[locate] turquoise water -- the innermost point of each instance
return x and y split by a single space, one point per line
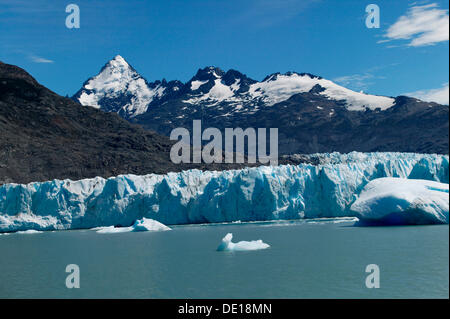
305 260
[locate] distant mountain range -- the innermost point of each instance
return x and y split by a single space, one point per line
312 114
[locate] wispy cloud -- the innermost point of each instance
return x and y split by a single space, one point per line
362 81
356 81
440 95
422 25
265 13
38 59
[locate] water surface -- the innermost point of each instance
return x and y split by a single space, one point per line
306 260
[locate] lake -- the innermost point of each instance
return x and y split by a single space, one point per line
306 259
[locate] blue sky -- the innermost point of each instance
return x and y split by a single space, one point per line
173 38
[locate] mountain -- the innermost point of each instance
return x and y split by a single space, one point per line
45 136
312 114
119 88
247 96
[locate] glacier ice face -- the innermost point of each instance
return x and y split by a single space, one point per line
251 194
398 201
228 245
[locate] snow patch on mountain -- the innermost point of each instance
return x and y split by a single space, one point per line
280 87
196 84
218 93
236 85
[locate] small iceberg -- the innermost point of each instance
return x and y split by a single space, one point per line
228 245
23 232
144 224
147 224
112 229
398 201
29 231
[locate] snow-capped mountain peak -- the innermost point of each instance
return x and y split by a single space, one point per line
235 88
209 84
119 88
119 62
213 78
208 73
204 79
279 87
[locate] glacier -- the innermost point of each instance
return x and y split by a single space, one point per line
251 194
398 201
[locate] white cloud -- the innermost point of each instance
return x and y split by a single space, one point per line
355 81
37 59
422 25
266 13
362 81
439 95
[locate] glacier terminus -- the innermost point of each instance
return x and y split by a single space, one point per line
190 197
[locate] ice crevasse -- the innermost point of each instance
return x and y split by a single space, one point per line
250 194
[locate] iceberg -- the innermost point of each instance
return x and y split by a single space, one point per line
112 229
228 245
29 231
396 201
144 224
193 197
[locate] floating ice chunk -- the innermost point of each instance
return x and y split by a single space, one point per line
337 220
113 230
228 245
29 231
144 224
398 201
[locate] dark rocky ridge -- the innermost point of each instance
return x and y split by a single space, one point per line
410 125
310 123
